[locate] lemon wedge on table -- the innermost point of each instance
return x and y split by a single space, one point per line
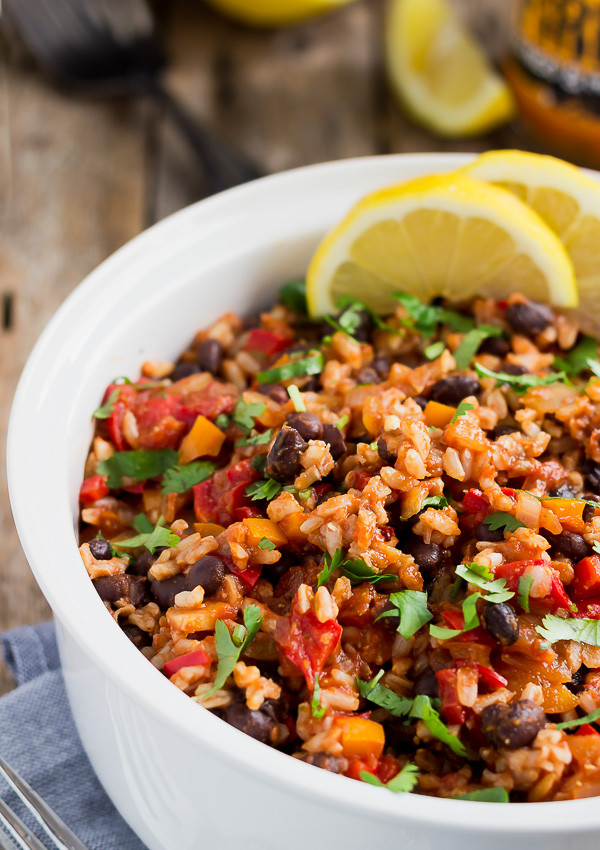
274 13
569 203
440 73
448 235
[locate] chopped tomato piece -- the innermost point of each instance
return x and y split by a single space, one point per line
267 342
197 658
219 497
357 766
307 642
452 710
92 489
387 768
474 501
587 577
114 424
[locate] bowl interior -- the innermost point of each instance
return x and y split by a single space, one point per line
230 252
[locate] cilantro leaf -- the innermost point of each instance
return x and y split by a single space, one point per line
138 465
426 317
267 489
245 413
222 421
152 537
413 610
523 589
330 563
230 648
107 408
434 350
180 479
582 357
495 590
316 709
423 709
293 296
257 440
503 520
311 365
471 342
434 502
355 569
487 795
520 382
402 783
555 628
348 321
296 397
265 543
463 407
581 721
384 697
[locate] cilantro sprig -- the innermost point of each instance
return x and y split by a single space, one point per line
384 697
107 408
523 589
138 465
311 365
581 358
150 536
555 628
503 520
180 479
463 407
355 569
230 647
481 576
411 607
402 783
425 318
521 383
246 412
469 346
257 440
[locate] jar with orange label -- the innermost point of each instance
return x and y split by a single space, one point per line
554 72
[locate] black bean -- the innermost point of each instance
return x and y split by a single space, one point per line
209 572
137 636
428 556
399 735
382 366
312 385
528 317
570 544
335 438
276 392
385 454
210 355
101 549
453 389
495 345
165 591
283 460
577 683
334 764
484 532
588 513
422 402
367 375
274 572
308 425
563 492
254 723
130 588
183 370
503 430
513 369
591 470
141 565
426 683
502 621
514 725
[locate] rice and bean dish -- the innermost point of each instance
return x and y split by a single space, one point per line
370 542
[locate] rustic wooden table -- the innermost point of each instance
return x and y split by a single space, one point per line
79 178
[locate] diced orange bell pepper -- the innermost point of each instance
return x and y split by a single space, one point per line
259 528
568 511
208 529
204 439
438 415
361 737
290 525
558 699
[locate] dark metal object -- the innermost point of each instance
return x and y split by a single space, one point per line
107 48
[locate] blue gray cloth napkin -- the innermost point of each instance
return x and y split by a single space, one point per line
38 738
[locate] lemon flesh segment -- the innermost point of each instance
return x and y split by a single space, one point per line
445 235
274 13
567 200
439 72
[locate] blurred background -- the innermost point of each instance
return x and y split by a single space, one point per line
81 175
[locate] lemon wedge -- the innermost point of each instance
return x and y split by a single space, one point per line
569 203
448 235
274 13
439 72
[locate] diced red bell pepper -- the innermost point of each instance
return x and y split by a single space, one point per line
456 620
474 501
452 710
387 768
267 342
558 595
92 489
197 658
114 424
307 642
249 576
512 572
587 577
135 489
586 729
492 679
219 497
247 512
508 491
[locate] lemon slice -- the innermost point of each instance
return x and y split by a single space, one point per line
439 71
274 13
447 235
569 203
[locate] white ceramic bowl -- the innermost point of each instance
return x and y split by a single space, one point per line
181 777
